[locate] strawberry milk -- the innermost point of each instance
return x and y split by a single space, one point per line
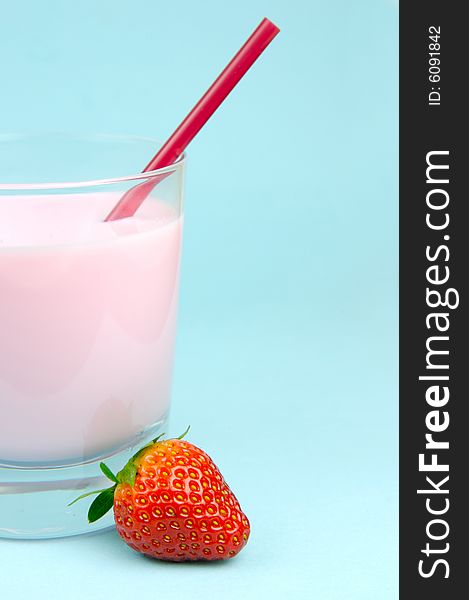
87 324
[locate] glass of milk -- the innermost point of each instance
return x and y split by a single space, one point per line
87 320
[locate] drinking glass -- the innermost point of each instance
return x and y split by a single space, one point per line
87 320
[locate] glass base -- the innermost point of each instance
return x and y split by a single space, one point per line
34 501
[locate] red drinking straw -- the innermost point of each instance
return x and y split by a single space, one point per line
196 119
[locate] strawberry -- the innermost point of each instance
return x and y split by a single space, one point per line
171 502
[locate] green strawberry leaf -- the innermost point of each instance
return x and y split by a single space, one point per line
88 494
183 435
128 473
107 471
101 504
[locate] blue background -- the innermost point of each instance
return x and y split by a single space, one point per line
287 348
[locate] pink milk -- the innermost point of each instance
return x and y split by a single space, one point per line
87 324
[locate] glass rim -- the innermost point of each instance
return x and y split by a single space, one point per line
61 185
